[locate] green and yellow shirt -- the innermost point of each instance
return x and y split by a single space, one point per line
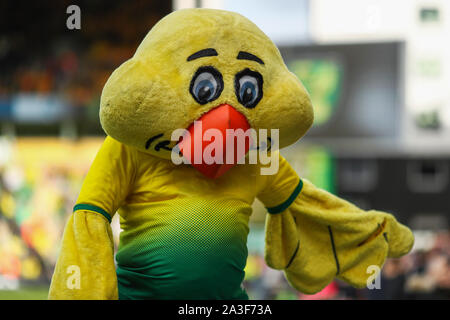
183 235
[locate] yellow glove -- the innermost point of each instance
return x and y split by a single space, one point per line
320 236
315 236
85 268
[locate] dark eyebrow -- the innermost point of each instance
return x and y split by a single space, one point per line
209 52
242 55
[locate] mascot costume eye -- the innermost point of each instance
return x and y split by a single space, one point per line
185 226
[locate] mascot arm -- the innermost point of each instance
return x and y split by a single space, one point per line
315 236
85 267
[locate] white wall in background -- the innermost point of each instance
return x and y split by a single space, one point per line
183 4
334 21
427 74
284 21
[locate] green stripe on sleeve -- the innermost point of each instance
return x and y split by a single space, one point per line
84 206
288 202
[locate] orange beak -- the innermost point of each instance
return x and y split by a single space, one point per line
213 145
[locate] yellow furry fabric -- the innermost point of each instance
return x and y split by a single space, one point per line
320 237
87 252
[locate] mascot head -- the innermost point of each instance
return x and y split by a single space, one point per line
199 62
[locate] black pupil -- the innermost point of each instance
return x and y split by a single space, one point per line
204 93
248 95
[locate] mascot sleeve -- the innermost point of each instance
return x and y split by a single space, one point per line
85 267
315 236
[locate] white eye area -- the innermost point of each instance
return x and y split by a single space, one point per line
249 81
206 85
248 86
205 78
249 89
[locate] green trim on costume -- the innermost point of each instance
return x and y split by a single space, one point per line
84 206
288 202
333 246
294 255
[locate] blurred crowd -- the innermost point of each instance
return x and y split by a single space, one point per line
39 183
44 57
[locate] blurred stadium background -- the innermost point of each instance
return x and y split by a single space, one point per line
379 76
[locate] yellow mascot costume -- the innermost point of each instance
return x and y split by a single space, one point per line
184 234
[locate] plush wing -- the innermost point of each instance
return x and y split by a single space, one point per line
315 236
320 237
85 267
